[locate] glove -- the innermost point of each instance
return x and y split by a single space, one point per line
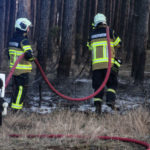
32 59
116 66
28 56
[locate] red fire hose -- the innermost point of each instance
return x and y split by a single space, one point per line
144 144
90 96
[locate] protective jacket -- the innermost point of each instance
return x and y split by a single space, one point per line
98 45
19 45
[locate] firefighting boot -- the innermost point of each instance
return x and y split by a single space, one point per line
110 98
98 106
111 105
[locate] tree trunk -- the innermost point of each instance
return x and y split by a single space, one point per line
33 18
79 31
87 26
53 29
148 45
24 9
117 16
60 8
12 19
101 6
68 34
37 20
113 14
130 34
139 54
43 31
2 28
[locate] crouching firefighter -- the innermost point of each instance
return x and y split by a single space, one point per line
98 45
3 104
18 45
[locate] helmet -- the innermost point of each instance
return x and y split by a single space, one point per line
99 18
23 24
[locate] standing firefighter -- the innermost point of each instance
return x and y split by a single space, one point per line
18 45
98 45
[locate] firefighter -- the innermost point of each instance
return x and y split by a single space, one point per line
98 45
18 45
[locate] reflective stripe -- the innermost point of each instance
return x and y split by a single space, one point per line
118 64
15 52
111 90
98 35
89 46
27 47
104 51
16 106
116 42
13 44
101 43
29 67
19 94
100 60
98 100
94 53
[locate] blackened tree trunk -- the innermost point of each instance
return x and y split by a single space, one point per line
60 8
7 20
43 31
68 37
24 9
37 20
148 46
79 30
87 26
108 11
101 6
2 27
113 14
117 16
130 34
53 29
140 46
11 19
33 18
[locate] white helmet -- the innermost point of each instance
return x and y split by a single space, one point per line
23 24
99 18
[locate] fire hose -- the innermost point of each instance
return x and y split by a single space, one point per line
75 99
144 144
57 92
87 97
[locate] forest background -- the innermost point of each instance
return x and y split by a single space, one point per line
61 28
59 36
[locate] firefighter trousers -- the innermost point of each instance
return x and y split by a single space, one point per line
20 83
98 77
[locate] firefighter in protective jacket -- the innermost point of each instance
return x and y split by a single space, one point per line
18 45
98 45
